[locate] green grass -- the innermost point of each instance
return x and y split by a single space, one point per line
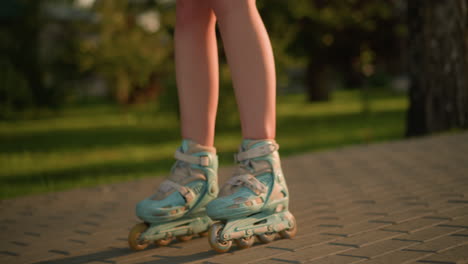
97 144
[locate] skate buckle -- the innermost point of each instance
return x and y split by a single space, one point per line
205 161
278 176
279 208
199 160
187 195
256 152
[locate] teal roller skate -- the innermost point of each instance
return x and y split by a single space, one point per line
254 202
177 209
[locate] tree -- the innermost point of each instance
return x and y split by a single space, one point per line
354 38
21 82
128 46
438 66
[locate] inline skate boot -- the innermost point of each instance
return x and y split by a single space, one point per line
177 209
254 202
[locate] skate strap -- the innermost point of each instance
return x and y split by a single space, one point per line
198 160
256 152
249 181
184 191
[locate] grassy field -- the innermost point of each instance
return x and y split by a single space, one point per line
97 144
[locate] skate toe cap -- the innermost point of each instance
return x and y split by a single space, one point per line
142 209
156 211
226 208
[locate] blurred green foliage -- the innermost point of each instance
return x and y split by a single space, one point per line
12 100
18 57
50 45
350 41
38 57
125 53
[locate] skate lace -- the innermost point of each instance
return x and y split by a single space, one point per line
171 184
249 181
245 174
180 172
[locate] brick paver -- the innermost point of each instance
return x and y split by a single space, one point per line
396 202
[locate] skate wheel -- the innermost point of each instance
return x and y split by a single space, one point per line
134 237
266 238
203 234
291 232
163 242
184 238
245 242
213 238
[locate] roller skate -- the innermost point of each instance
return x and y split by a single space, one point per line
177 209
254 202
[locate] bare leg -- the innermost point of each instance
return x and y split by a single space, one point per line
196 60
250 57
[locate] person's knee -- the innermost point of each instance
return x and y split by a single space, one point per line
191 12
224 8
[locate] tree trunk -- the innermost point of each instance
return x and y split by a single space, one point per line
438 65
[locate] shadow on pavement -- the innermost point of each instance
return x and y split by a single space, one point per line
101 256
112 253
180 259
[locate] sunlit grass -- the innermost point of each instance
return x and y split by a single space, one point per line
90 145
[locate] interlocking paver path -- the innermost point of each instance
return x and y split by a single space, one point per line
397 202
